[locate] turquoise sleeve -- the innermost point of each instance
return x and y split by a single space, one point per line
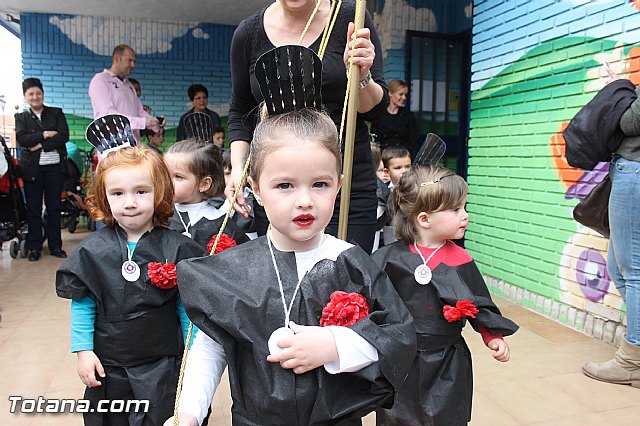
83 317
184 322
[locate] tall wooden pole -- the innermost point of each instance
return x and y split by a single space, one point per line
350 132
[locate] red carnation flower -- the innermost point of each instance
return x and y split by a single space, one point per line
463 308
162 276
224 243
344 309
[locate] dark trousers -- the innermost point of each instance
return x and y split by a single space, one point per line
48 183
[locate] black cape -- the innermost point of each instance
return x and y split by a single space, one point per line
137 336
439 387
204 229
234 298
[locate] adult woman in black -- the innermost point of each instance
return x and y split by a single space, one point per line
397 126
42 132
281 23
199 97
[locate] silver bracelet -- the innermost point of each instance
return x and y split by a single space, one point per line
365 81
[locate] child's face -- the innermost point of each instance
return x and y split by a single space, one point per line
186 185
448 224
298 192
382 173
130 193
157 139
218 139
398 167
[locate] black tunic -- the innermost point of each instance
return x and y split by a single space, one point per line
239 306
439 387
204 229
137 336
250 41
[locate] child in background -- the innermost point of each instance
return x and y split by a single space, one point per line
382 192
126 313
443 289
284 368
218 138
155 140
196 170
397 161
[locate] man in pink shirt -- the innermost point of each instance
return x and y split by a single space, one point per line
112 93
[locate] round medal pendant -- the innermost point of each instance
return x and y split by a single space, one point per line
187 234
130 271
422 274
276 336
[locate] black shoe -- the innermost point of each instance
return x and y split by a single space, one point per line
34 255
58 253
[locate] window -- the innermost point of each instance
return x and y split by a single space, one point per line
438 76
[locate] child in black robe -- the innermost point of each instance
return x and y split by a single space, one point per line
197 172
126 313
311 329
443 289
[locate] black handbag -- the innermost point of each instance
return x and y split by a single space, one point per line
69 169
593 210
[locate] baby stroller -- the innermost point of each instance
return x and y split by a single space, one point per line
13 212
74 191
72 205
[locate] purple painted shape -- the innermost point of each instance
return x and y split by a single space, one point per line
587 181
593 286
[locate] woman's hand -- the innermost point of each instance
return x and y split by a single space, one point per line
88 364
35 147
49 133
364 52
240 205
239 153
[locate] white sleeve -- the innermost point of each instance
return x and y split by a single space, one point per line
205 364
354 352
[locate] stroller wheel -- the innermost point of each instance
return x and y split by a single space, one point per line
72 226
23 248
13 249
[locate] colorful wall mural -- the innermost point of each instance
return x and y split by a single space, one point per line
534 65
66 51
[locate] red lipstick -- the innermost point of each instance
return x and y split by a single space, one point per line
304 220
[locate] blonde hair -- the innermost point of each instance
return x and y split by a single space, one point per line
204 160
426 189
302 126
395 85
136 156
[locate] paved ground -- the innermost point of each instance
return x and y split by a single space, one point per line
542 384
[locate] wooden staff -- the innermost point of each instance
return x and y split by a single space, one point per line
350 132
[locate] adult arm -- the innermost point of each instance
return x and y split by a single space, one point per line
62 136
102 103
27 137
630 120
368 56
241 121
